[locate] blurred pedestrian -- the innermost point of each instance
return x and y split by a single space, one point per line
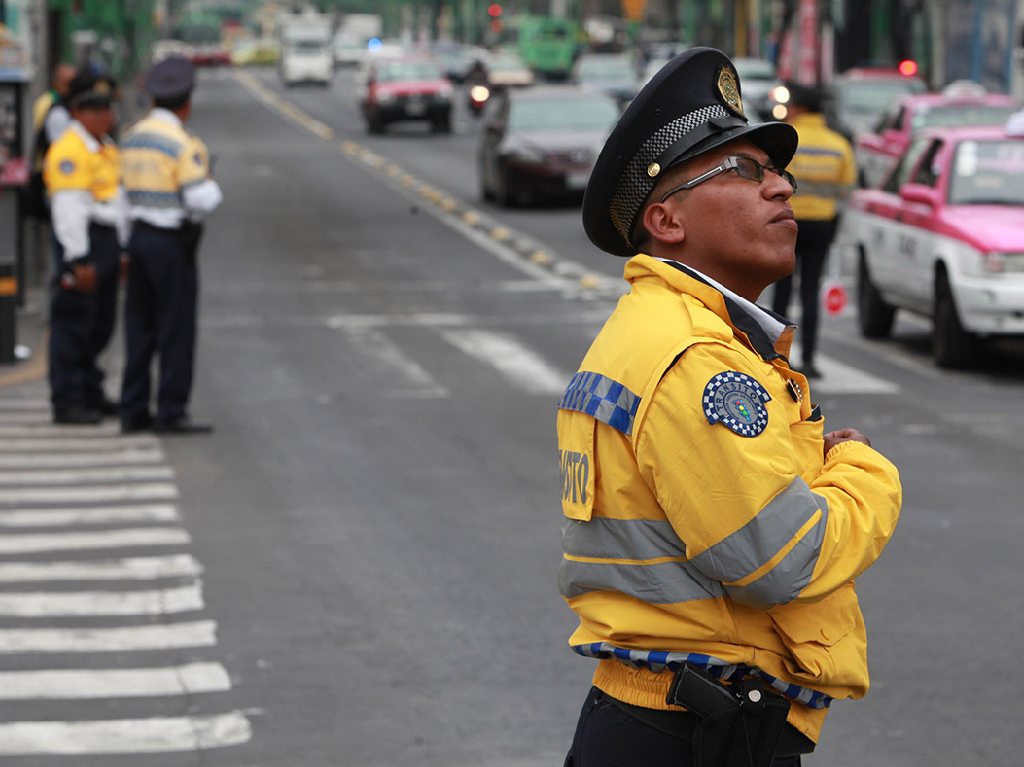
83 177
825 172
50 116
170 192
711 531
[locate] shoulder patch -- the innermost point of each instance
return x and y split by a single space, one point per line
67 167
736 401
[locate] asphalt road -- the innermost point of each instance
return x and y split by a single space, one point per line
374 524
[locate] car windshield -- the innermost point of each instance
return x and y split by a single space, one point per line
873 95
308 46
406 71
961 114
611 68
988 173
506 63
561 113
754 69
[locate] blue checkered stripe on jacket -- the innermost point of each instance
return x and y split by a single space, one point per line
659 660
602 397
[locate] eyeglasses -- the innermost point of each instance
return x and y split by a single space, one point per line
745 167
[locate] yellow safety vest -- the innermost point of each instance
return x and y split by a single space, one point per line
824 168
71 165
701 519
160 160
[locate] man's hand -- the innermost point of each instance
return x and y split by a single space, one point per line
833 438
82 278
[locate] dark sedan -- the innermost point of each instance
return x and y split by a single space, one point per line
542 142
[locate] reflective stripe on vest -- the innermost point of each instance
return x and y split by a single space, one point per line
603 398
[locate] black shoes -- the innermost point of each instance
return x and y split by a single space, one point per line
136 424
77 415
182 425
106 407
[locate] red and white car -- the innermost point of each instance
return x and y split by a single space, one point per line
944 237
958 104
406 88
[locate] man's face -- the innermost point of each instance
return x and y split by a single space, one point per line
738 231
62 79
99 121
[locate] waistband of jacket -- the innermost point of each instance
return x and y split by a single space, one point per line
641 687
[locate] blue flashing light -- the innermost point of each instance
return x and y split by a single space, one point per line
373 44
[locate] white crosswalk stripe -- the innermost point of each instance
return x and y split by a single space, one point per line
92 566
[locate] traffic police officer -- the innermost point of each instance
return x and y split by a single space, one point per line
170 191
82 174
712 531
825 172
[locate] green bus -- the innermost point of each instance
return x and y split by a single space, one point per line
547 45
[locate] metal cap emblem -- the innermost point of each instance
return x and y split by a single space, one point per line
729 90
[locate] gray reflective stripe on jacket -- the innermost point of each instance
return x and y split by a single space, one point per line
822 189
657 584
631 541
752 546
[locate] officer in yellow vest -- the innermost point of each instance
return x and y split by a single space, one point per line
170 191
83 179
825 172
712 529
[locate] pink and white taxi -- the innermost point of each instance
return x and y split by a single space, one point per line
959 103
943 237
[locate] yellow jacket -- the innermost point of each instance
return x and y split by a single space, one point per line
702 521
162 161
823 166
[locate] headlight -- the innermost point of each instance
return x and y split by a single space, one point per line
1003 263
779 93
444 92
385 97
525 154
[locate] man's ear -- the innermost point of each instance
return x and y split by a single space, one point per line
664 223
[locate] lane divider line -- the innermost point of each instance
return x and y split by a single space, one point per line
572 278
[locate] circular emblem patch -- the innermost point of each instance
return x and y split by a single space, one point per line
66 167
737 401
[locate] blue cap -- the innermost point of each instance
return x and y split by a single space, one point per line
171 78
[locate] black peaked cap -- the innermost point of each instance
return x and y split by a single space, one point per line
692 105
171 78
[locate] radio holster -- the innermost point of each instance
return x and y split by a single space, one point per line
738 725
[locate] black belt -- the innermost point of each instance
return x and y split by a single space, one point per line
102 227
680 724
171 231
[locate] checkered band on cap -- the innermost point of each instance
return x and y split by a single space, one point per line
635 184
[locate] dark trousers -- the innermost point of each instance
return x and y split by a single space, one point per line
606 736
81 325
159 320
812 244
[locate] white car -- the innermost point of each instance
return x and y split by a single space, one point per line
944 237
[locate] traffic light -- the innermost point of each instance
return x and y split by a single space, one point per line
494 10
908 67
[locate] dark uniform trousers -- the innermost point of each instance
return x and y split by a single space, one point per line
608 736
812 243
159 319
81 325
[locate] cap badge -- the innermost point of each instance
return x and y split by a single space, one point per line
102 88
729 90
653 169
